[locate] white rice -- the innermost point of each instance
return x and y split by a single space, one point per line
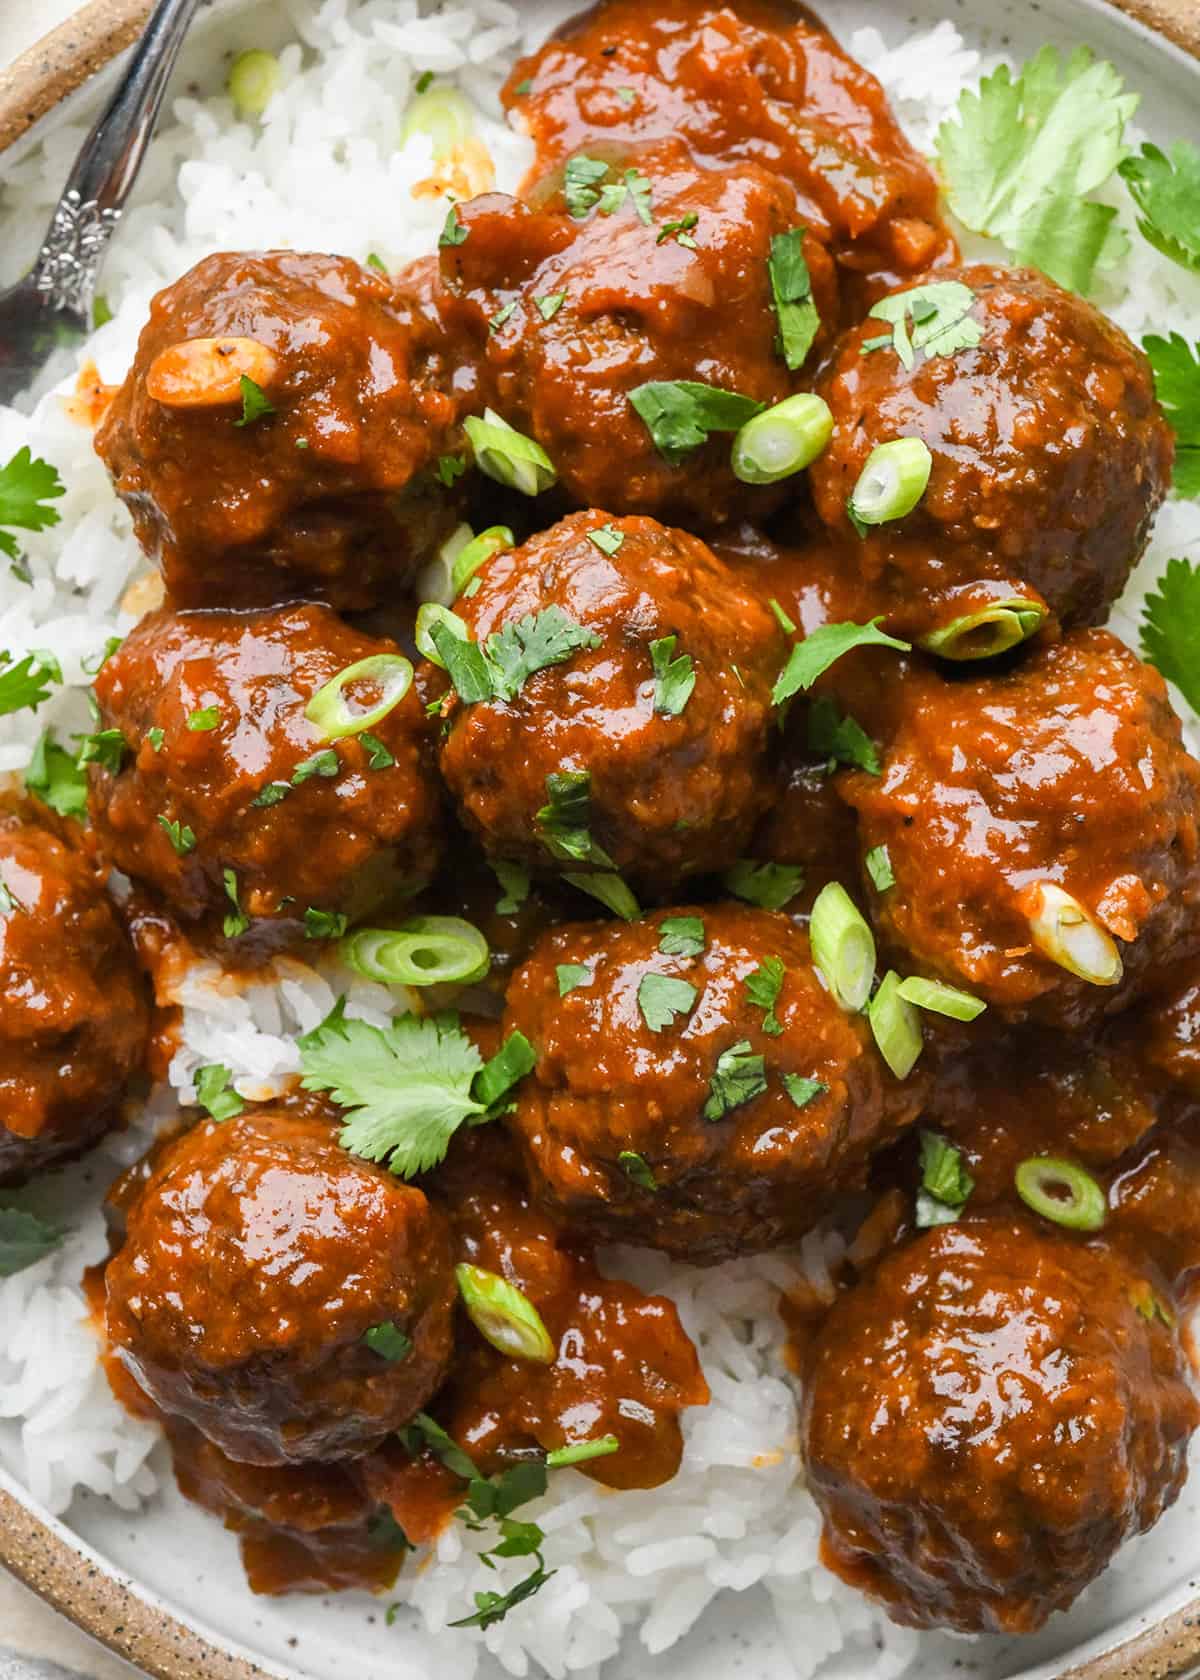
323 170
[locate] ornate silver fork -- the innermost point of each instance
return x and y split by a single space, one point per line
51 306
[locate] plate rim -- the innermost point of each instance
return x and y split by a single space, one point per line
128 1619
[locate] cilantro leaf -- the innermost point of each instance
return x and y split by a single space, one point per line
453 232
607 539
661 998
1024 153
941 317
516 652
324 924
813 656
1167 192
681 936
636 1169
634 186
611 891
215 1093
378 756
26 682
106 748
946 1184
674 679
24 1240
236 923
768 885
55 777
514 883
739 1077
581 179
389 1342
763 988
1177 383
680 231
572 975
791 289
680 414
564 821
548 304
842 740
450 468
408 1086
203 719
515 1058
803 1091
424 1433
179 834
325 764
492 1607
465 662
1171 628
27 483
256 405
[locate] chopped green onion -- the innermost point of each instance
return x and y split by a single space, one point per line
946 1185
477 553
253 81
442 115
429 614
786 624
1071 937
843 946
389 1342
503 1315
983 634
436 582
941 999
579 1452
1061 1192
330 714
891 484
782 440
896 1026
636 1169
426 951
879 868
508 456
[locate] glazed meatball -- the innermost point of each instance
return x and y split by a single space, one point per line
1050 455
575 314
671 1105
987 1419
221 788
759 80
257 1257
325 492
74 1019
1040 823
596 761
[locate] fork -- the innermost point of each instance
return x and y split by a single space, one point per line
51 307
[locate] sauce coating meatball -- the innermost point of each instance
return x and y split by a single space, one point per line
760 80
1050 453
987 1419
223 773
1041 826
670 786
257 1257
324 493
672 1107
74 1019
571 314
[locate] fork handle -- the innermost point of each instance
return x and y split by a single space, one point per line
107 165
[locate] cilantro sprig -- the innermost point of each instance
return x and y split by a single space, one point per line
27 485
1176 366
1171 628
24 1240
791 291
25 683
681 414
499 668
1166 189
813 656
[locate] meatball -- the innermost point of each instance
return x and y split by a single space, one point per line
1034 818
322 493
602 758
222 795
74 1017
697 1089
257 1258
758 80
987 1419
575 313
1050 455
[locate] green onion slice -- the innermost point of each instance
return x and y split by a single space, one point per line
892 482
253 79
941 999
503 1315
1071 937
426 951
507 455
896 1026
443 115
843 946
436 581
1061 1192
579 1452
329 712
477 553
983 634
782 440
429 614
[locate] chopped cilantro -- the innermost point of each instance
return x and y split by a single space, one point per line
96 665
636 1169
453 232
1176 368
106 748
549 304
572 975
813 656
564 822
791 289
680 231
634 186
203 719
27 483
24 1240
378 756
1024 153
516 652
514 883
661 998
389 1342
492 1607
424 1433
273 794
739 1077
763 988
179 834
581 180
1166 189
1171 628
215 1093
941 318
879 868
376 262
502 315
945 1182
256 405
101 311
325 764
55 777
450 468
680 414
841 740
25 683
237 922
803 1091
324 924
156 737
786 624
627 96
768 885
607 539
609 890
674 678
681 936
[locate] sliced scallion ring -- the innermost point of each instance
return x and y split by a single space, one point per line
429 614
503 1315
843 946
891 484
1071 937
1062 1192
983 634
441 114
782 440
426 951
436 582
509 456
253 79
477 553
941 999
896 1026
328 711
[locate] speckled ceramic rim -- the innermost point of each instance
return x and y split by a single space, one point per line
52 1562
